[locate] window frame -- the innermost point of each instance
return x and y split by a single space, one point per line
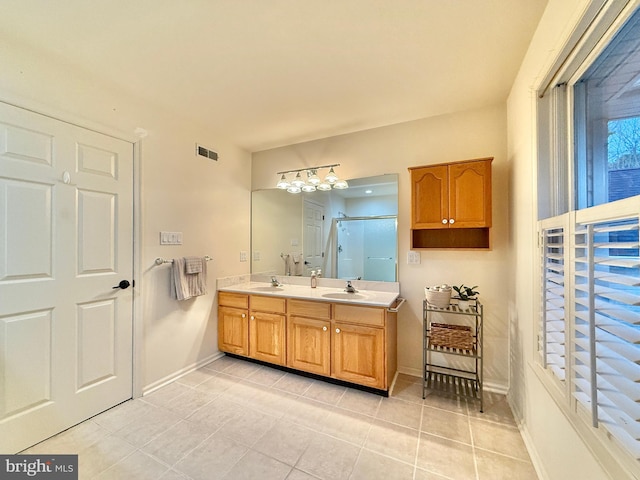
602 20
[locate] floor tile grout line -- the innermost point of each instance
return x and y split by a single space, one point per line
415 460
473 448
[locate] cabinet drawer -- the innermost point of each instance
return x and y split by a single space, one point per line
268 304
305 308
357 314
237 300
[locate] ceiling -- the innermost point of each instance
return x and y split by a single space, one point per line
267 73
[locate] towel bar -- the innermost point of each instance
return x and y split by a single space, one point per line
160 260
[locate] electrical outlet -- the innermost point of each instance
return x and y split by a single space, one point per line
243 256
413 258
256 256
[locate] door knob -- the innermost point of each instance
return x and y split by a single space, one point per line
123 284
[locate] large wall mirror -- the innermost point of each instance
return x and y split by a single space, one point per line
349 234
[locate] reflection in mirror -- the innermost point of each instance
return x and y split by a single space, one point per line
348 234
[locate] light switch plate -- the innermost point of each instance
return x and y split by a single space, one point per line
170 238
413 258
243 256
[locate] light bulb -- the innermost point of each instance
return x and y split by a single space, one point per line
309 188
294 189
283 184
312 177
298 182
324 186
331 176
341 185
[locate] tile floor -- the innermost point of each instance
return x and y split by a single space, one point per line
237 420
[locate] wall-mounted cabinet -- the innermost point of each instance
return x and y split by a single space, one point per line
451 204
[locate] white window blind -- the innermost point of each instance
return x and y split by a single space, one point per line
551 338
606 330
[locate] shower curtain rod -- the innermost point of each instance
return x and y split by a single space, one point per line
374 217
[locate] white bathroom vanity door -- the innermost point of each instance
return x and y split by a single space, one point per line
66 239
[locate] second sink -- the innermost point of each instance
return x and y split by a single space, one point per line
345 296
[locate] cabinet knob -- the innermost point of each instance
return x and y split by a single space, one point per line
324 329
451 220
337 330
252 317
444 221
244 315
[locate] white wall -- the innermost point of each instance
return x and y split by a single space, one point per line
555 445
467 135
208 201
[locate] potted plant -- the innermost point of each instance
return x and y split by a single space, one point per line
465 294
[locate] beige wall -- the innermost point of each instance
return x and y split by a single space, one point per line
474 134
208 201
553 442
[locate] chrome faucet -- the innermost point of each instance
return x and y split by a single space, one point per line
275 282
349 288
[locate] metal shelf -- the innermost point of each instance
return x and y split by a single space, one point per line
465 383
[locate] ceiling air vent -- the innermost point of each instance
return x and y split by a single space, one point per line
205 152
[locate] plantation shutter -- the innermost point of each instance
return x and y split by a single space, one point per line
551 338
606 336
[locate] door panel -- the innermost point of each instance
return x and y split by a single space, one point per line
358 354
308 347
66 211
267 337
312 236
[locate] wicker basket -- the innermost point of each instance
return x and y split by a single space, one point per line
439 299
451 336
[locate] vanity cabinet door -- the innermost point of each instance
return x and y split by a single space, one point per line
267 337
358 354
309 345
233 332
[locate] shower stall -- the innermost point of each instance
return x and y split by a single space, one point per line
366 248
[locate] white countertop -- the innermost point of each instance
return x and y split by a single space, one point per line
322 294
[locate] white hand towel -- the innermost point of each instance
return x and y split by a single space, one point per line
288 264
184 286
298 264
194 264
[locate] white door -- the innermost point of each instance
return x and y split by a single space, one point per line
312 237
66 223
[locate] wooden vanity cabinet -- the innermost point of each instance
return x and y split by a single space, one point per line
309 336
363 342
252 326
233 325
449 197
353 343
267 319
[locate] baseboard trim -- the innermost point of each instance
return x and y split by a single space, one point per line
180 373
529 445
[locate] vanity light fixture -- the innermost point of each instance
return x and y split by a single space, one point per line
313 182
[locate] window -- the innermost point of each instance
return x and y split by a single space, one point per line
589 223
607 122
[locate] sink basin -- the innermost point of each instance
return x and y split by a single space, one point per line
345 296
268 288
